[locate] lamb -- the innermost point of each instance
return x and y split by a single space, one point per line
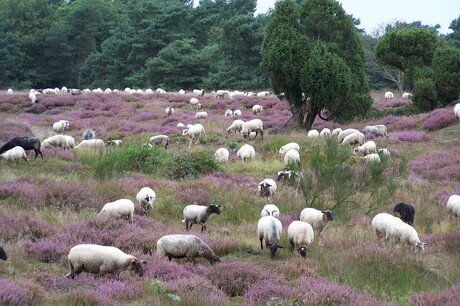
194 132
300 236
88 134
95 144
319 219
199 214
313 134
145 198
269 229
114 143
325 132
371 158
3 255
237 112
267 188
160 139
246 152
195 103
457 111
98 259
228 113
26 142
185 246
405 211
119 208
254 125
15 154
222 155
59 141
353 139
367 148
270 210
345 133
406 95
169 110
289 146
291 156
377 130
256 109
453 205
236 126
389 95
201 115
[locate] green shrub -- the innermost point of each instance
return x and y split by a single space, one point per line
191 165
425 97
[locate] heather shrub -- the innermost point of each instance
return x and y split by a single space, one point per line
268 291
446 297
15 228
164 270
119 290
439 118
85 297
10 129
410 136
403 123
23 191
437 165
47 250
20 292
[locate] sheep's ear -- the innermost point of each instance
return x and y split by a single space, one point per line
144 262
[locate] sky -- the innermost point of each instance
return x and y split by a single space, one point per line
373 13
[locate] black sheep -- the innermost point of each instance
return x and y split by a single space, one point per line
405 211
27 143
3 254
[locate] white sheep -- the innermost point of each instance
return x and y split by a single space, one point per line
182 92
57 141
114 143
256 109
75 91
353 139
406 95
48 91
269 229
383 225
270 210
61 126
64 90
267 188
300 236
291 156
254 125
199 214
185 246
389 95
119 208
15 154
384 152
367 148
237 112
318 219
313 134
201 115
195 103
145 198
95 144
371 158
149 91
180 125
9 91
325 132
32 96
228 113
453 205
160 139
222 155
194 132
236 126
169 111
98 259
408 235
336 132
289 146
220 94
263 94
457 111
108 91
345 133
377 130
199 92
246 152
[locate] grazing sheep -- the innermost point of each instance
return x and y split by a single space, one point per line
256 109
383 225
405 211
284 175
406 95
228 113
220 94
59 141
353 139
201 115
263 94
61 126
195 103
199 92
246 152
88 134
367 148
160 139
336 132
300 236
119 208
384 152
194 132
389 95
453 205
9 91
291 156
406 234
344 134
319 219
289 146
185 246
237 112
26 142
114 143
269 229
3 255
236 126
95 144
75 92
270 210
199 214
267 188
182 92
377 130
313 134
371 158
180 125
98 259
457 111
15 154
222 155
254 125
145 198
325 132
169 111
33 96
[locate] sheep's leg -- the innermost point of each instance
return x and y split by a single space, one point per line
71 274
291 243
25 158
261 244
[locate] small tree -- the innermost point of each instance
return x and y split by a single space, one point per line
425 97
446 68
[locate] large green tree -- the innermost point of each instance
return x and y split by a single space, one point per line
446 70
313 54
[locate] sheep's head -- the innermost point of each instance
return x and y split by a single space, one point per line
213 208
137 266
213 259
3 254
303 251
273 247
357 150
265 189
328 215
421 247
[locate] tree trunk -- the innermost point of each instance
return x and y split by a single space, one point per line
310 118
